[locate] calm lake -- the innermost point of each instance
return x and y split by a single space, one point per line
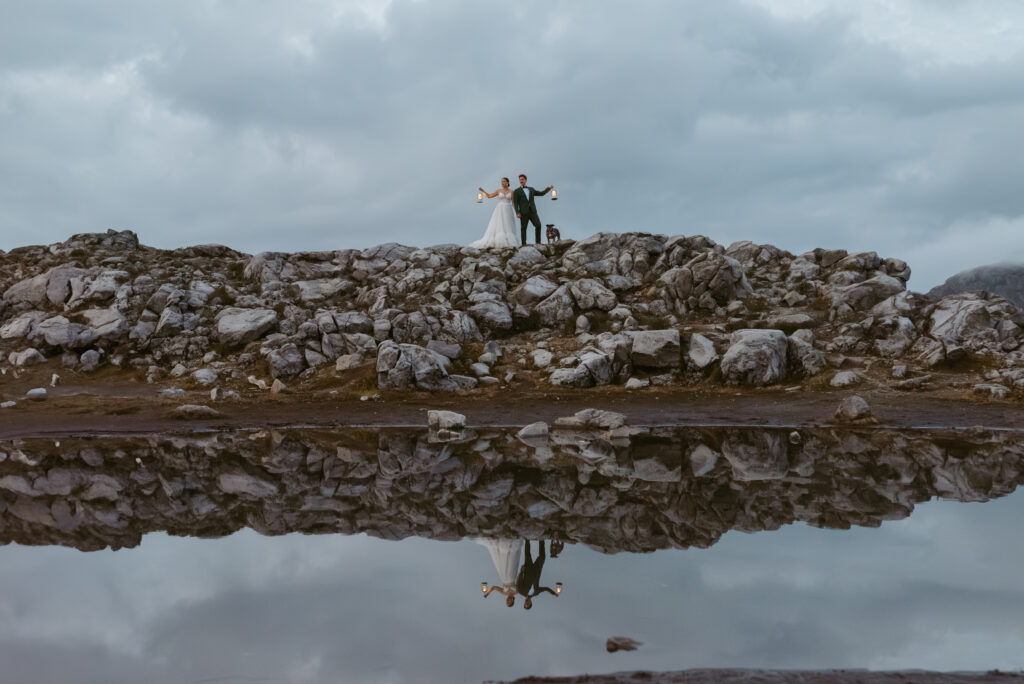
359 555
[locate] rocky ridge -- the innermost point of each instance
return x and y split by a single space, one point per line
1005 280
589 478
632 309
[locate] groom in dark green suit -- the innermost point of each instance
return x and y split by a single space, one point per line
526 208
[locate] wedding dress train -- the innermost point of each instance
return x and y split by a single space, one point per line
501 229
505 556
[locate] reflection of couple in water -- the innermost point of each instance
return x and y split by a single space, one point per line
505 554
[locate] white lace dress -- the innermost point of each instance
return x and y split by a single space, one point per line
501 230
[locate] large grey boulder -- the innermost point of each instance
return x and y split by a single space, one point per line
287 361
656 348
30 291
959 317
21 326
401 366
755 357
237 327
803 358
491 315
58 331
106 324
590 294
706 282
557 309
866 294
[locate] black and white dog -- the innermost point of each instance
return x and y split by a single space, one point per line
552 233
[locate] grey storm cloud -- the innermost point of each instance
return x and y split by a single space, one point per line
939 590
323 125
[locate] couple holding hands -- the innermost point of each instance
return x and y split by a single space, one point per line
501 230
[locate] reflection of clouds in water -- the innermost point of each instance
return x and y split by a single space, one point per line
323 608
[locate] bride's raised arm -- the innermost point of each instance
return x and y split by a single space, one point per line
490 195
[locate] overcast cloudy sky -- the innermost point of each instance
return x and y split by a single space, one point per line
886 125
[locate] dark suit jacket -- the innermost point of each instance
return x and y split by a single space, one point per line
522 200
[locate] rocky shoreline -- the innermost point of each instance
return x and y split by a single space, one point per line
632 310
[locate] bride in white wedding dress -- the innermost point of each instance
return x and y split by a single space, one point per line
501 229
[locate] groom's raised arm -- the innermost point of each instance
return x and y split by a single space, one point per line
546 190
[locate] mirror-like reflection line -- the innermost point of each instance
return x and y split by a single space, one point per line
626 489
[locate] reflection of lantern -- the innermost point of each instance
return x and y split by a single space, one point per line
554 194
483 587
479 197
558 587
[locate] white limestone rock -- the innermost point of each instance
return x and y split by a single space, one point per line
755 357
655 348
237 327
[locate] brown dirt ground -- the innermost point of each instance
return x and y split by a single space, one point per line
112 402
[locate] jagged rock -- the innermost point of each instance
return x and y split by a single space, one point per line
278 387
701 352
237 327
866 294
58 331
804 359
36 394
894 336
590 294
26 357
854 409
402 366
637 383
492 315
286 362
21 326
655 348
707 281
572 377
755 357
557 309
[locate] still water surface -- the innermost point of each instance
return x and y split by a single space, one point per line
940 589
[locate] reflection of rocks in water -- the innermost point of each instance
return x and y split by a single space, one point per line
611 486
